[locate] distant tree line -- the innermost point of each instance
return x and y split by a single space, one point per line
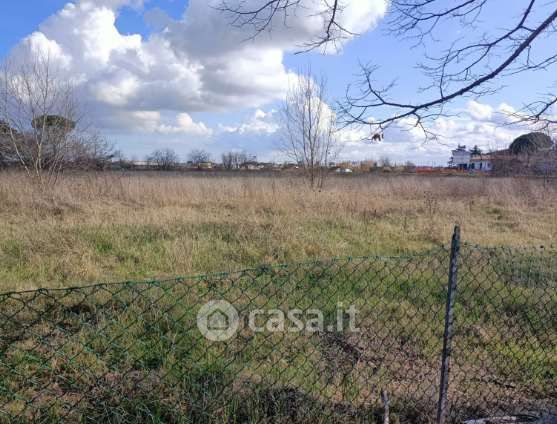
164 160
168 160
234 160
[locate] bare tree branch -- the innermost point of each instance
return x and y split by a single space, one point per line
541 113
263 16
461 71
468 67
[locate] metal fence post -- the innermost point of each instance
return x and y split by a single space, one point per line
448 333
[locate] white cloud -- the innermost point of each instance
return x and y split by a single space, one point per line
302 25
360 15
480 111
153 122
137 4
199 63
87 32
185 124
260 122
116 89
506 109
38 44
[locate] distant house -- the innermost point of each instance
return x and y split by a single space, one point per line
141 165
481 162
533 153
461 158
251 166
471 160
269 166
290 165
344 171
205 165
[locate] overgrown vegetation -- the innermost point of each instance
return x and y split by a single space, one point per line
114 227
132 352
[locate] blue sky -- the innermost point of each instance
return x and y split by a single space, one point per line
184 85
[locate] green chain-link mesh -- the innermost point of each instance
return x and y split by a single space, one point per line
132 352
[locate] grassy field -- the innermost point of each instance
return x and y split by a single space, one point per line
111 227
132 352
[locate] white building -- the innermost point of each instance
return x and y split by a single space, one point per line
471 160
481 163
461 158
344 171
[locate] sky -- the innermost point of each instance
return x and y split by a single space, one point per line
173 74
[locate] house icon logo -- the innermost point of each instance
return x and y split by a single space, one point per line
218 320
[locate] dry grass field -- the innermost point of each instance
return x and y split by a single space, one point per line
132 352
112 227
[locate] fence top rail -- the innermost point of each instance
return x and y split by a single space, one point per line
267 268
512 249
261 269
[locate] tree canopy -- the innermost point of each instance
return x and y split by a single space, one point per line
531 143
53 122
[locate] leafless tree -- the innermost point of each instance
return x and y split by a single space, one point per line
164 160
234 160
475 64
91 151
40 119
309 130
199 156
122 161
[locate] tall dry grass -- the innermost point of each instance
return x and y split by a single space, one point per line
109 226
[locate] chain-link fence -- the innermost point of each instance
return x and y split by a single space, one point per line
341 340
